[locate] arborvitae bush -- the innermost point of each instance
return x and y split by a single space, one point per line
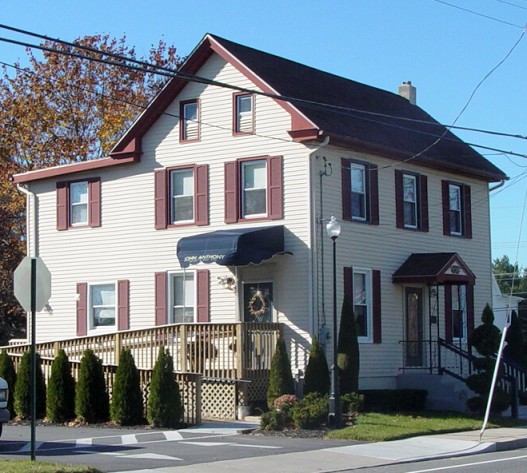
486 340
22 402
514 350
316 379
127 401
7 371
280 377
91 397
164 408
348 358
61 390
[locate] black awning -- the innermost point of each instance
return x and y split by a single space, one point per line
236 247
434 268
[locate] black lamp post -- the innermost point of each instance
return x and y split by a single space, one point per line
335 414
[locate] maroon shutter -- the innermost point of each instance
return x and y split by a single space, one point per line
348 284
373 175
446 208
161 299
448 313
94 193
376 309
62 205
275 173
346 189
160 193
470 310
467 212
82 309
202 194
423 203
123 298
203 291
399 199
231 192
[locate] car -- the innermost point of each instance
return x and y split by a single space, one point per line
4 396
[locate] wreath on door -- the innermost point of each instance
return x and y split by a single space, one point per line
257 305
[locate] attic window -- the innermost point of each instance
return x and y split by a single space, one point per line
243 114
189 120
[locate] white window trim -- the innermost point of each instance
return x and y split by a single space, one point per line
415 202
105 329
362 168
189 123
243 188
369 302
87 204
460 210
171 197
170 294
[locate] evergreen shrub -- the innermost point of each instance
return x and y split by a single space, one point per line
280 376
164 407
22 401
316 378
348 357
60 405
8 372
127 406
91 397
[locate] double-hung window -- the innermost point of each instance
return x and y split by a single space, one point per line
360 196
243 113
457 212
362 288
362 302
189 121
411 200
79 203
181 196
358 192
254 189
102 306
182 294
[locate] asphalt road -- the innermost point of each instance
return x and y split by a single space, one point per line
113 450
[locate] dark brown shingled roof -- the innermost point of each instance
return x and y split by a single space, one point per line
390 137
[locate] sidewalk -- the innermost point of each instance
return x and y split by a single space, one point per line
357 456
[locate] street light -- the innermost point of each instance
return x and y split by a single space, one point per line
335 414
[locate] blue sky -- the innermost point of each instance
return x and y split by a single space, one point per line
445 51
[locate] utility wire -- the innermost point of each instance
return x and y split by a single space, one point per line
152 68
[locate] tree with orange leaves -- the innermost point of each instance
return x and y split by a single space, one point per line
58 110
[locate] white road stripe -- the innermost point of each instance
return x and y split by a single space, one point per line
129 439
497 460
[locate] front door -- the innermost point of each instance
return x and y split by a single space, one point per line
414 327
258 302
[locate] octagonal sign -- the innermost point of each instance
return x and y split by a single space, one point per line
22 283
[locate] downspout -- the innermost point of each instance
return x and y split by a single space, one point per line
31 221
313 239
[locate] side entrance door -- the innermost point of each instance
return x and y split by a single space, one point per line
414 326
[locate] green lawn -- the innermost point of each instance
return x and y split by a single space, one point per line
28 466
376 427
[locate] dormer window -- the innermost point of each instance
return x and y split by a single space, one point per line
189 120
243 113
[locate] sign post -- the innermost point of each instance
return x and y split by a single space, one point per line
32 288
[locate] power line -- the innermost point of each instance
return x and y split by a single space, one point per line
479 14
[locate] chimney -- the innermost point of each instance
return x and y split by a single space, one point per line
409 92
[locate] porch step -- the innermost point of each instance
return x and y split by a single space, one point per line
444 392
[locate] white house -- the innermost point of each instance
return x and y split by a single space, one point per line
211 209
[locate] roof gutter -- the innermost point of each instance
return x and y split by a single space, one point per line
497 186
